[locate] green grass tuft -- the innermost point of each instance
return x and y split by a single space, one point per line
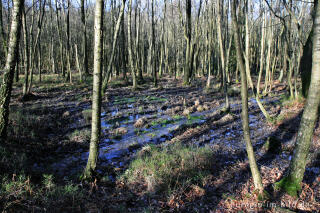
87 115
171 168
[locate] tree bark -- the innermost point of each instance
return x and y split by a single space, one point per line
84 38
96 95
59 29
244 100
132 68
154 71
188 33
306 60
13 51
26 53
222 54
114 42
2 33
292 182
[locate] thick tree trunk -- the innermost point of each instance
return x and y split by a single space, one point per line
292 182
96 95
13 51
306 61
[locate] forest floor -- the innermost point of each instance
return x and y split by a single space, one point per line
164 149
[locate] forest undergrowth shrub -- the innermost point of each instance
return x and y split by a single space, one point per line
87 115
288 102
23 124
169 169
81 136
11 161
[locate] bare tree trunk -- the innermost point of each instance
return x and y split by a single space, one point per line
262 59
34 45
154 71
188 33
39 60
26 53
68 49
52 58
77 62
96 95
247 67
247 49
115 38
2 33
62 70
222 54
292 182
13 51
133 72
84 38
138 57
306 60
244 97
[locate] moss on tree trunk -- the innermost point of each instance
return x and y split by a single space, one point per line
292 182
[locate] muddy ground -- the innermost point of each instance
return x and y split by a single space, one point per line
50 131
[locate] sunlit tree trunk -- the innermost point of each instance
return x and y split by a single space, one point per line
114 42
123 53
35 43
244 100
96 94
68 49
52 55
26 53
247 65
139 55
132 68
222 54
262 59
154 71
292 182
247 47
78 62
7 81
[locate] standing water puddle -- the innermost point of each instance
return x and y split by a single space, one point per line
114 149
